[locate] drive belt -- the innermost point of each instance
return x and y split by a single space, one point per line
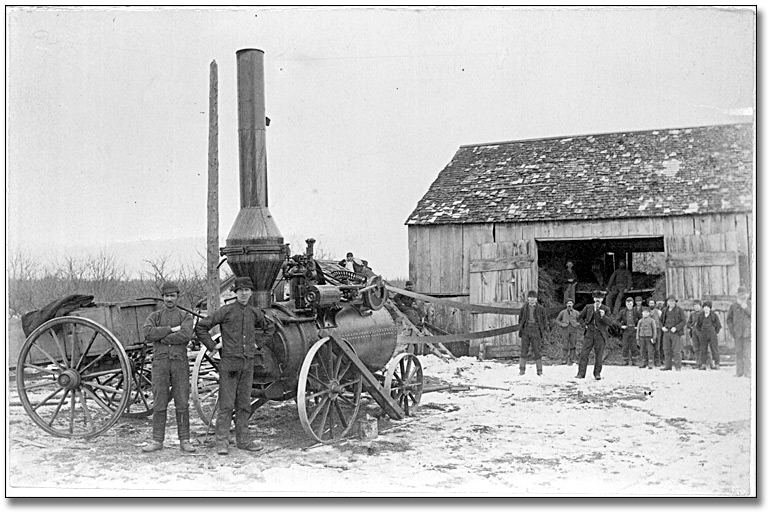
444 339
456 304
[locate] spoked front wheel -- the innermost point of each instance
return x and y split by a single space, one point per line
329 392
73 377
404 381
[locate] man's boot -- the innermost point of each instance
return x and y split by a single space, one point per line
522 366
572 356
159 430
538 367
183 431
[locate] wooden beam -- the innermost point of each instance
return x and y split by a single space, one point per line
501 264
719 258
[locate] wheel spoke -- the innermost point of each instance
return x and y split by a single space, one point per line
348 366
88 348
349 383
97 400
86 412
318 381
45 400
58 407
59 345
38 385
323 422
108 372
40 369
74 343
342 417
96 360
338 362
72 413
50 358
322 404
105 388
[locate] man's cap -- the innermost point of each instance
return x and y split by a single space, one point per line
622 264
671 296
742 290
408 283
697 302
629 300
646 309
707 303
660 300
243 283
569 301
597 294
349 254
169 288
638 298
532 293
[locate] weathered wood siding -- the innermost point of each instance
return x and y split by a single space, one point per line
439 254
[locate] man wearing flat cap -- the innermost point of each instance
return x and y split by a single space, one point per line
673 321
738 320
533 330
596 318
170 329
239 322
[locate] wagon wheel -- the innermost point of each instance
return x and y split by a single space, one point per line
73 377
205 384
329 392
141 404
404 380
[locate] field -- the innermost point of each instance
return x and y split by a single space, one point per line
637 432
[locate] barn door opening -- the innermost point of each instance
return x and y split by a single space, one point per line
500 274
704 267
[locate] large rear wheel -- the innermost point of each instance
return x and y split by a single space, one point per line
329 392
73 377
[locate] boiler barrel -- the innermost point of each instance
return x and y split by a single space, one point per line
373 336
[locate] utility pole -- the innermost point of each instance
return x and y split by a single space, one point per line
212 215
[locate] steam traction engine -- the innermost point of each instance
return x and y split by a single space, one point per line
77 374
332 337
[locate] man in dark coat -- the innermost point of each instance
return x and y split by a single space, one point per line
620 282
708 326
240 324
628 318
673 321
533 330
596 318
169 330
738 320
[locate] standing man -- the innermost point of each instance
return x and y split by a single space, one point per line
628 318
690 325
738 320
673 320
619 283
239 321
533 329
569 282
596 318
568 319
170 329
708 325
655 314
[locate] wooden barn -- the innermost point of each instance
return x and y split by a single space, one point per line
499 213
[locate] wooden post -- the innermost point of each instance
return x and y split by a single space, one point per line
212 215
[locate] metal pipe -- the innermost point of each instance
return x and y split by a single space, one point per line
253 164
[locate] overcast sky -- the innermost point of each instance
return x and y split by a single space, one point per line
107 109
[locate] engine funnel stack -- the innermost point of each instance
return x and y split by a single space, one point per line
255 247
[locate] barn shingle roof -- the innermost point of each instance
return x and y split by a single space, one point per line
653 173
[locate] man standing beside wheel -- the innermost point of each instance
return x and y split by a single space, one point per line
170 329
239 322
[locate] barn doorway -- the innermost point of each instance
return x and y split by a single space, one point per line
594 262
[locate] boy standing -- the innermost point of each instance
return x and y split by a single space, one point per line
690 325
628 319
708 327
646 330
533 329
568 319
738 320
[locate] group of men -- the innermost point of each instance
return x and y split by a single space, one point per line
170 329
653 333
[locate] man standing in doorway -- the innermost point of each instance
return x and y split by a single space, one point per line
619 283
239 321
533 330
596 318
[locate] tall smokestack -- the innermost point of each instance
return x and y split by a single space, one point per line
254 247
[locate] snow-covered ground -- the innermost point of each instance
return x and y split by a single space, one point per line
637 432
